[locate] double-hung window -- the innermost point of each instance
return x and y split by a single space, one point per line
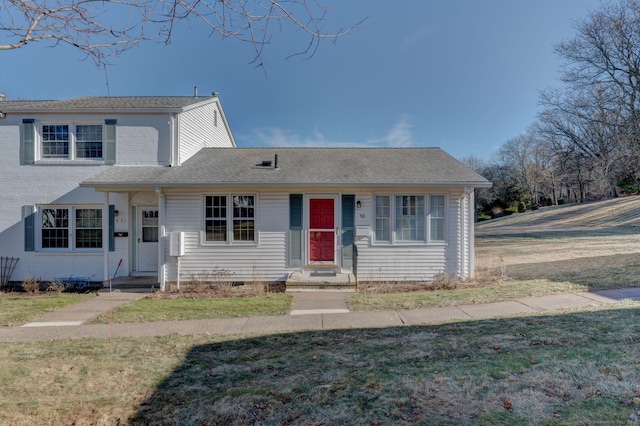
229 218
79 141
436 217
410 218
89 141
71 228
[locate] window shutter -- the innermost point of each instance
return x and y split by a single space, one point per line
110 141
348 229
112 239
295 230
28 141
29 218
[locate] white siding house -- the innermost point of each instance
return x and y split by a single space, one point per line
261 214
58 229
155 186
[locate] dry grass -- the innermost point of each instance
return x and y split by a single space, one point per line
554 250
572 369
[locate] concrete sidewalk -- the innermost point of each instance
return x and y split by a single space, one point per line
313 311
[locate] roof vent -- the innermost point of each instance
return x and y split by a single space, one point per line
265 163
195 91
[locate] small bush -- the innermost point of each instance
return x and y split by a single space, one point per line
522 207
31 285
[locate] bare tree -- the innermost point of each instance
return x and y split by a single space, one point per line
104 28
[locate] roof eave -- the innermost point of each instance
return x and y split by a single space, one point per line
132 186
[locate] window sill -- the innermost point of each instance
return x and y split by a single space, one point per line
46 252
69 162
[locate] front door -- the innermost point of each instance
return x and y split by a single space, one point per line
322 230
147 249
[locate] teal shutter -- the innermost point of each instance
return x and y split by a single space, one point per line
295 230
110 141
112 239
29 218
348 229
28 141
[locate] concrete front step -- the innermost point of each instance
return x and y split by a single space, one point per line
320 281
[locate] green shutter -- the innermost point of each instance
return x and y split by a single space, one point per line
348 229
112 239
29 218
295 230
110 141
28 141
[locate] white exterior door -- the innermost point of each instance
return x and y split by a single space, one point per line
147 244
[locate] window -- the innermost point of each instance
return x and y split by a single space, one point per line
243 220
436 216
216 218
55 141
410 217
88 228
89 141
222 222
383 218
57 229
404 218
81 141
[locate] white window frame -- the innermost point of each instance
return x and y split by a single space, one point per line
72 142
72 229
230 219
427 218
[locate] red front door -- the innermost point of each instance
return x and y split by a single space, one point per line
321 230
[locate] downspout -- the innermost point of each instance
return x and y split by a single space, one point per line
462 240
472 231
105 239
161 239
173 149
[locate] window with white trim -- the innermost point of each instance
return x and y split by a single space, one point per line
68 141
436 217
409 218
71 228
229 218
383 218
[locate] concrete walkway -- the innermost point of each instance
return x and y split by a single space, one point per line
312 311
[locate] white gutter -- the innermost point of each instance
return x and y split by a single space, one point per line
161 238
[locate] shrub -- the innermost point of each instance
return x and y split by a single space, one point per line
522 207
31 285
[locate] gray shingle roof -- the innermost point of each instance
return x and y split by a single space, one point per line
301 167
114 103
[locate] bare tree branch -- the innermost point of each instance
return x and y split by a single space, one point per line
104 28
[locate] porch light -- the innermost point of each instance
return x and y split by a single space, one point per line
358 204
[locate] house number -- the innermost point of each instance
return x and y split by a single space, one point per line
362 215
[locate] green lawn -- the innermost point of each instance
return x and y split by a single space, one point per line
145 310
18 309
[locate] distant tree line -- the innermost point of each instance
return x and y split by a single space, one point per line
585 143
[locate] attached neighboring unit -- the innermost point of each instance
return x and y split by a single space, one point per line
58 229
221 212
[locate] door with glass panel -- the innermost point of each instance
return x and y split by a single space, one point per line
147 244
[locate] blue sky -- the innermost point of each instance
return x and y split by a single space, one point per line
463 75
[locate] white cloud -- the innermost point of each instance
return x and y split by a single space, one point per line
400 135
418 36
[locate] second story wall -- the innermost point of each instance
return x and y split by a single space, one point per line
202 127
